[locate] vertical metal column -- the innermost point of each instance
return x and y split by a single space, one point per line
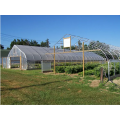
83 58
54 59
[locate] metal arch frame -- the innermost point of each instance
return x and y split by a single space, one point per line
102 51
100 47
114 49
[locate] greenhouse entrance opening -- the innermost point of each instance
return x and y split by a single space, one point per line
12 62
15 62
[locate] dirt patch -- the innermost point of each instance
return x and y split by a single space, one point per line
70 81
52 73
95 83
116 82
60 86
15 68
72 75
5 81
108 83
79 91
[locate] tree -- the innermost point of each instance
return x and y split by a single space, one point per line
24 42
79 45
30 43
47 43
57 47
43 44
85 47
72 47
1 46
8 48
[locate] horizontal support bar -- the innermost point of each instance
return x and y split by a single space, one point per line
114 60
74 51
14 56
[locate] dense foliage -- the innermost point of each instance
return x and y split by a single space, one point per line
75 68
30 43
1 46
90 69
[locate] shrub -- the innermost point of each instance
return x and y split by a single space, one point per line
60 69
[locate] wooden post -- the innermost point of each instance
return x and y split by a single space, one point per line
54 59
101 74
83 58
20 63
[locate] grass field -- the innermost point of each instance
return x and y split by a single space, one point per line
31 87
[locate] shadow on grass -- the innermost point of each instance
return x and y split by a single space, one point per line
2 89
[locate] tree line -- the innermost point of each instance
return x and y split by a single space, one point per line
27 42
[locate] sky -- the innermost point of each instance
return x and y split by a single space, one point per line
105 28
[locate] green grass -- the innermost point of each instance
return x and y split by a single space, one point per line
31 87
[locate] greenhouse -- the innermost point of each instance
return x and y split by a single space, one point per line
28 56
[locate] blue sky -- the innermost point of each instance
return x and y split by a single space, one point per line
105 28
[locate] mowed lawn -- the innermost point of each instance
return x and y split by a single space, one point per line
31 87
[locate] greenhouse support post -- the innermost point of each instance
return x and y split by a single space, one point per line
20 63
54 59
83 59
101 74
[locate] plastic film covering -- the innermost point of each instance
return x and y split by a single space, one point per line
8 62
39 54
30 64
32 54
24 63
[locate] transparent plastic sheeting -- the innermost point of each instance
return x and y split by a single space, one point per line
39 54
31 54
45 65
6 62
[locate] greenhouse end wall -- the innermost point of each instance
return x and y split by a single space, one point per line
14 54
